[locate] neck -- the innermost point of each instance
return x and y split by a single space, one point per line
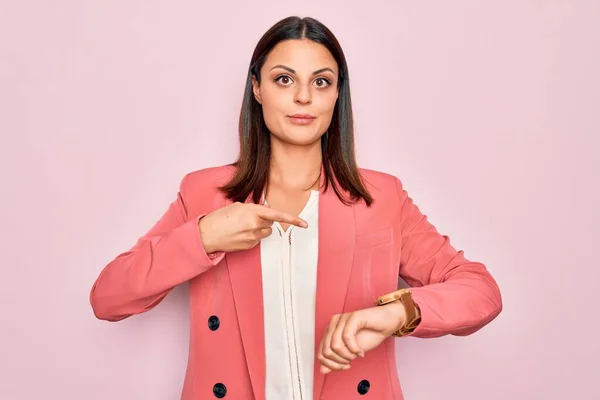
295 167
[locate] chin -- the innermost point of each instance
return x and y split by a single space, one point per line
301 139
298 136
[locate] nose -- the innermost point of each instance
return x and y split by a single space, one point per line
303 95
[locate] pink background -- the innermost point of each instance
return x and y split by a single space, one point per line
488 112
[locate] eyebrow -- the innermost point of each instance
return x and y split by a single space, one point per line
293 72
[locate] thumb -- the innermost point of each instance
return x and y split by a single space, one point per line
353 325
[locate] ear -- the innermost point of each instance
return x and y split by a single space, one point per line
256 89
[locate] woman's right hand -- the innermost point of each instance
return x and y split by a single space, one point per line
240 226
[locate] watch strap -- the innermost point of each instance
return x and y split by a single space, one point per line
412 312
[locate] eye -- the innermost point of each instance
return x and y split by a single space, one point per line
322 82
283 79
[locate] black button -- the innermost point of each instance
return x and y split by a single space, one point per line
213 323
219 390
363 387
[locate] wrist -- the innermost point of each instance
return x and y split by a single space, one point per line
397 316
205 237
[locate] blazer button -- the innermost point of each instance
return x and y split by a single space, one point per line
213 323
219 390
363 386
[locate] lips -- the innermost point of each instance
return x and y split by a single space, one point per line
301 119
302 116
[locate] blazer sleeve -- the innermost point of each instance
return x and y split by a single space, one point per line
169 254
455 295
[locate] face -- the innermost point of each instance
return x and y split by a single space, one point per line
298 91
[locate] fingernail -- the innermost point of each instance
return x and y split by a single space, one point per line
362 354
304 225
347 366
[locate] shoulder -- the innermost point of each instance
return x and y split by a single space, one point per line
216 175
205 180
377 177
388 191
384 187
380 182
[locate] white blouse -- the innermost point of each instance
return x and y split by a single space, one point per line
289 276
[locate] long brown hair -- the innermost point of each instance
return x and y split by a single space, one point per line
337 144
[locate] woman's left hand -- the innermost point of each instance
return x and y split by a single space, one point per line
352 334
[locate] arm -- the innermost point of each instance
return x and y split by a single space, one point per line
455 295
169 254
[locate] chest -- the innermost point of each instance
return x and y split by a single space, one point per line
298 203
289 257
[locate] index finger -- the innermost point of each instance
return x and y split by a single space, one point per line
270 214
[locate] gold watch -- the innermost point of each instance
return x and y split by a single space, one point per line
412 312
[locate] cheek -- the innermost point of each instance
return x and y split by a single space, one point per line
327 101
270 106
273 96
327 105
271 118
273 104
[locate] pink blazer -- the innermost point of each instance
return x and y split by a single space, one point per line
362 251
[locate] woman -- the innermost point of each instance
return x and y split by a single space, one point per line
292 253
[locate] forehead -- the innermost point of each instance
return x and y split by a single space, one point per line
302 55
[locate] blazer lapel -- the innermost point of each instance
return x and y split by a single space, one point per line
246 280
335 256
336 253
